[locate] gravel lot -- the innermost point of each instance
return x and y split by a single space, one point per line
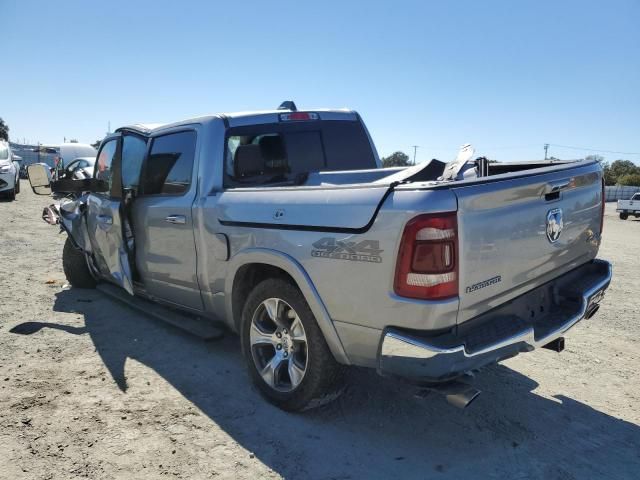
92 389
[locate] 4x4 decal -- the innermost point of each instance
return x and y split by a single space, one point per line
363 251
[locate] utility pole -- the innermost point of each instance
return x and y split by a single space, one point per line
415 149
546 147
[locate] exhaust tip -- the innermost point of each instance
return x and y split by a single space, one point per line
463 399
592 311
456 393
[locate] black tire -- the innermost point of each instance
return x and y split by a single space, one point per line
624 215
324 376
75 267
17 188
11 194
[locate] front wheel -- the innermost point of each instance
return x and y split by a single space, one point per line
75 267
624 215
288 358
17 187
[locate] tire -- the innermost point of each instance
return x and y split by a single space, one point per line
75 267
323 377
624 215
11 194
17 187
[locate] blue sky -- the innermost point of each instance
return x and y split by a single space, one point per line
505 76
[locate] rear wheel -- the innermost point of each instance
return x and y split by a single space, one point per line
75 267
624 215
288 358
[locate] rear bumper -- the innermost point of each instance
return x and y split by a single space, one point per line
498 334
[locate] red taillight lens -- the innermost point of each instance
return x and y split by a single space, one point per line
602 211
427 265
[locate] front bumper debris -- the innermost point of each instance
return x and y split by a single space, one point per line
496 335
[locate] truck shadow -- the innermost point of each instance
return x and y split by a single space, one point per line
377 429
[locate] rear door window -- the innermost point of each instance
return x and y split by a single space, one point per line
169 167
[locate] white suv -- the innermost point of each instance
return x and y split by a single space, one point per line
9 172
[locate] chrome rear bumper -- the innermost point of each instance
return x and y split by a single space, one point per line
409 354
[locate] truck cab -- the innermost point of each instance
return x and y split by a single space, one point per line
629 207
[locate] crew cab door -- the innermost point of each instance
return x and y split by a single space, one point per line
104 217
166 257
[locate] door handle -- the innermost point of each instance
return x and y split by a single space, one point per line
176 219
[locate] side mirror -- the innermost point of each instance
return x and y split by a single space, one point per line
39 178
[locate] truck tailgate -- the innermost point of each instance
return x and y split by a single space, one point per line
519 233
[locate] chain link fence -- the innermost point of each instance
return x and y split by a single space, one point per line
619 192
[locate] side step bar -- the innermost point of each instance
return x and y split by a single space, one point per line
199 327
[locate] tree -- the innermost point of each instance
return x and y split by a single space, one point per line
73 140
619 168
630 179
96 144
4 130
396 159
608 175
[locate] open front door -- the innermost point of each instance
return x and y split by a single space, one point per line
105 219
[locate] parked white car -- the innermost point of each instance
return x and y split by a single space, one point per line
9 172
629 207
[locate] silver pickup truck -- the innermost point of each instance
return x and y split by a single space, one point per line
283 226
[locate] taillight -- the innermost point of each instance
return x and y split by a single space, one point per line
427 265
602 209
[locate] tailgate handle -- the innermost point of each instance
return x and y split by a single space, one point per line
554 187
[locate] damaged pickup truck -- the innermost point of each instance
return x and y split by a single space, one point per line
283 226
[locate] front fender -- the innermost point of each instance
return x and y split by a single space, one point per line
304 283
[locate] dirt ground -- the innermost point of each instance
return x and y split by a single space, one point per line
91 389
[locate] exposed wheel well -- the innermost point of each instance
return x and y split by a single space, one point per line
246 278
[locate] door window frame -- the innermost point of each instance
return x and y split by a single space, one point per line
116 167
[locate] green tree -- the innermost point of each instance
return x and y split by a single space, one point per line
609 179
619 168
631 179
96 144
4 130
396 159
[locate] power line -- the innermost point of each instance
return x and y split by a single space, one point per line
593 149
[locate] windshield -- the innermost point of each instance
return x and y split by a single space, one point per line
4 152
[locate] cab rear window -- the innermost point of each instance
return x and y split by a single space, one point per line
274 153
